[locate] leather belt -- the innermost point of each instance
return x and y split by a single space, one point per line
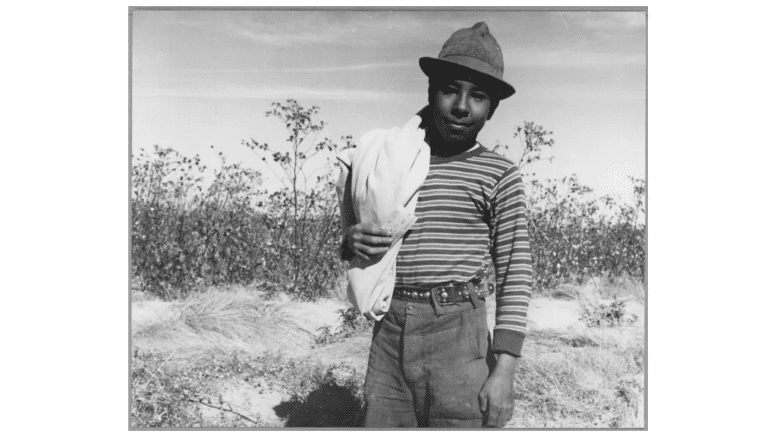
446 294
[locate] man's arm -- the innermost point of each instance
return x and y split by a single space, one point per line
512 262
496 396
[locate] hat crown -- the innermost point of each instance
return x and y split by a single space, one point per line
478 43
473 52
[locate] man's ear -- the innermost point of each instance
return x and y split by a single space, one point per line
494 105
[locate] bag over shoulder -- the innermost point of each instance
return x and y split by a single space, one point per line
385 171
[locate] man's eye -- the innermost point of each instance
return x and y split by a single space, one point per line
479 96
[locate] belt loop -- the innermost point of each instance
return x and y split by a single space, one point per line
473 295
435 302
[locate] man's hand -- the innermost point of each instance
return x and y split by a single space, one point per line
496 396
368 241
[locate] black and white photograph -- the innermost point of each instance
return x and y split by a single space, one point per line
393 217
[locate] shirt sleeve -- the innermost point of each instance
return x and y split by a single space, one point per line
512 261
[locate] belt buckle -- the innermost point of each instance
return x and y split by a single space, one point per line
441 294
452 293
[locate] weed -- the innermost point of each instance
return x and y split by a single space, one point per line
351 323
169 394
608 315
159 399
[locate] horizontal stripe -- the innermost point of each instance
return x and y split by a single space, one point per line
469 209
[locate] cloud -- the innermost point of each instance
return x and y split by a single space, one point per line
273 93
571 58
608 21
312 69
345 28
285 39
356 67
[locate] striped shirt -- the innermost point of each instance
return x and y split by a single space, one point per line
472 209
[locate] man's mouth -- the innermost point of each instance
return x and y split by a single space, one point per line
457 125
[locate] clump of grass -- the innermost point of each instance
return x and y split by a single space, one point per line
597 383
237 316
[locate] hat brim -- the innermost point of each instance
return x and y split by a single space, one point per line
434 67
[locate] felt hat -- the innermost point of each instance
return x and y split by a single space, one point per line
472 51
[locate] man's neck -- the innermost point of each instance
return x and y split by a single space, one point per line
443 149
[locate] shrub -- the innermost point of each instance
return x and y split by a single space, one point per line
186 234
303 217
608 315
575 235
351 323
193 227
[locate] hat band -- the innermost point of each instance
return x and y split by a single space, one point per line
475 64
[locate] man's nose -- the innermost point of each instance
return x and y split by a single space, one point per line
461 103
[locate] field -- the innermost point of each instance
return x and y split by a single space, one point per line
238 358
239 317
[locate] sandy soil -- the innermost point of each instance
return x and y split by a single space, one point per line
149 312
157 325
556 315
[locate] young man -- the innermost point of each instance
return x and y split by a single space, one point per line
432 362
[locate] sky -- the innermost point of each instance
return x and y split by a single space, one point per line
202 78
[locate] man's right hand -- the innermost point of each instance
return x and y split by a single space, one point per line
368 241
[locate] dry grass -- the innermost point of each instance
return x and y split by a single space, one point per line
244 320
573 378
585 377
582 379
222 321
235 316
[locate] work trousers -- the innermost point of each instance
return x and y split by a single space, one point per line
427 365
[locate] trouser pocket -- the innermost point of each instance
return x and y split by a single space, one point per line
459 370
479 335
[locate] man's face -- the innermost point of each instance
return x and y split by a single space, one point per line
460 109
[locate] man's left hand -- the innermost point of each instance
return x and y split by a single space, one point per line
496 396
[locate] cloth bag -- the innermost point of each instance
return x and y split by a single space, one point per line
379 184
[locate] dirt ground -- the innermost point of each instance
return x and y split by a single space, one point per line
157 326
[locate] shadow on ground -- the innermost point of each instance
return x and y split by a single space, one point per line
330 405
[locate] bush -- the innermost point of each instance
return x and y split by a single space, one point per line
304 218
188 234
575 235
351 323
